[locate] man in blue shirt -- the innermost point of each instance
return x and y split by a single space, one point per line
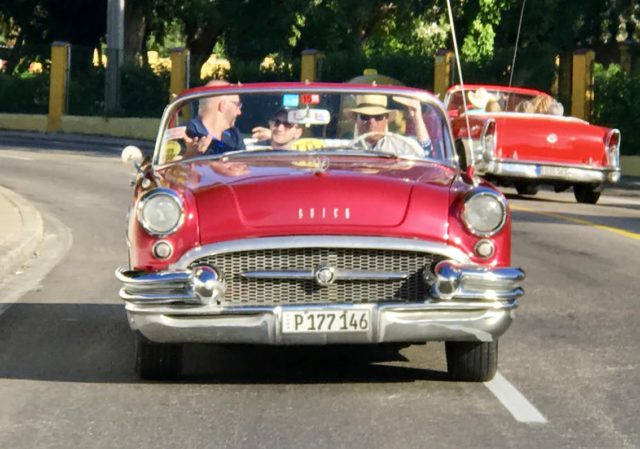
213 131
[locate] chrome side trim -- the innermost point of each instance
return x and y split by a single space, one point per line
340 275
321 241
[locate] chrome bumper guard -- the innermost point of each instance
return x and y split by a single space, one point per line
202 286
455 281
466 302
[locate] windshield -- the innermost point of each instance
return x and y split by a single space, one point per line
236 122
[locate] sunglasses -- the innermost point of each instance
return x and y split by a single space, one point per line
277 122
377 117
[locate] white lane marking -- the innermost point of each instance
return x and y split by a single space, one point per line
20 158
514 401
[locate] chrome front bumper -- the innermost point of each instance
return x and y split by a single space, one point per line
551 172
466 302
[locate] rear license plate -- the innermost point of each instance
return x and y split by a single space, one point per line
554 171
330 321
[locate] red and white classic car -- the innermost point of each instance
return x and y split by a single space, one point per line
519 137
348 223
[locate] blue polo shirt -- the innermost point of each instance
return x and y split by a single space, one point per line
231 138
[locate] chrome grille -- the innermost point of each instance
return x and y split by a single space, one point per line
270 292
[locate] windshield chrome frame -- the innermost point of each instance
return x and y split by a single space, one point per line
422 96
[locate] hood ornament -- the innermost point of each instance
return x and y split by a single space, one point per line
324 275
319 165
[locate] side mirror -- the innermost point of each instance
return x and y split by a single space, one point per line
132 155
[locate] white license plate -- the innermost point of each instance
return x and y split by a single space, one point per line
314 321
554 171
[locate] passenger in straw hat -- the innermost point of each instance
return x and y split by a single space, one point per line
479 99
372 117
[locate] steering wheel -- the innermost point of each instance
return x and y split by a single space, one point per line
393 143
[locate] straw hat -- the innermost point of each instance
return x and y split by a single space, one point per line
480 98
372 104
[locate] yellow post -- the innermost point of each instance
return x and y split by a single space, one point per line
310 65
442 72
582 84
179 71
58 83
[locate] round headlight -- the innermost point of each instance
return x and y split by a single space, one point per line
485 213
160 212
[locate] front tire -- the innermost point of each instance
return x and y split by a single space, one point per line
586 193
471 361
157 361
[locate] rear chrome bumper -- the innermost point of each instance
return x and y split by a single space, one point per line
551 172
466 302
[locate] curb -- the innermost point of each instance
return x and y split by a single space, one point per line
63 140
18 246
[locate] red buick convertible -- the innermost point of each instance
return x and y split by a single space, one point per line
520 137
314 214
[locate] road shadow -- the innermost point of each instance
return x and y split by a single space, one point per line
630 224
93 343
619 204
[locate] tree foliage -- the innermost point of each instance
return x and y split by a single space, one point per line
249 30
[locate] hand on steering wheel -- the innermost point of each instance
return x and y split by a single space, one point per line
393 143
360 140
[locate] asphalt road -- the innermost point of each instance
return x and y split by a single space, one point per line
568 372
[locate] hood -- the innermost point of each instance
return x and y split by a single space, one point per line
305 195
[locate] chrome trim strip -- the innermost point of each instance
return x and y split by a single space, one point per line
134 278
215 310
157 298
340 275
529 170
321 241
282 274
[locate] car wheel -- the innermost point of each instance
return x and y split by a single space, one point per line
157 360
525 188
471 361
586 193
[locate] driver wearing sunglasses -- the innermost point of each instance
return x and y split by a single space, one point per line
372 119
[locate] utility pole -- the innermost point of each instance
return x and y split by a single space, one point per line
115 55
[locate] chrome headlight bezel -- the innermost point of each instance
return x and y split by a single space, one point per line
144 202
468 204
